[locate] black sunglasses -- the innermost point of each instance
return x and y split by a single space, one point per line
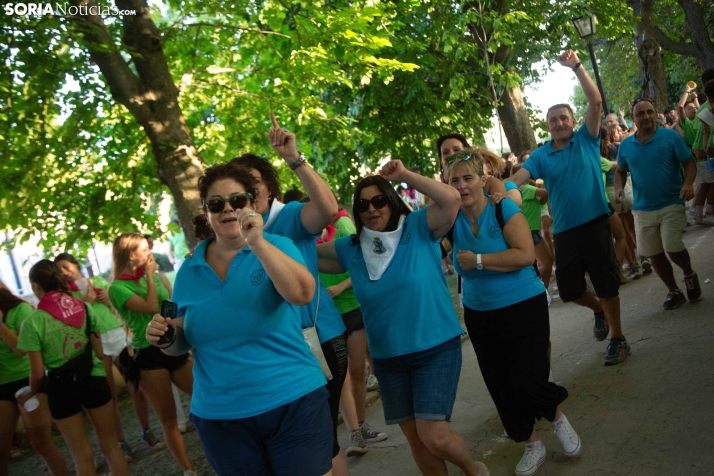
378 201
237 201
465 154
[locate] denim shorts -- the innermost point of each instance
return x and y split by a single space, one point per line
710 164
292 440
420 385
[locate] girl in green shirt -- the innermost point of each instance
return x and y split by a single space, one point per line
61 336
137 292
14 375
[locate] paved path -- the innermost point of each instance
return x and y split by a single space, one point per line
652 415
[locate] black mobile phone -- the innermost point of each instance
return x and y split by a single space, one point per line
168 309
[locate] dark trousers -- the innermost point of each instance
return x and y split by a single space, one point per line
511 345
335 351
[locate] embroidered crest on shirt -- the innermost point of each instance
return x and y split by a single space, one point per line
257 277
405 238
378 246
495 232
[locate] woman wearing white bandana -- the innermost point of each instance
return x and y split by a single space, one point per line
413 332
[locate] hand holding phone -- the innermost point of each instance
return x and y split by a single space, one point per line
168 309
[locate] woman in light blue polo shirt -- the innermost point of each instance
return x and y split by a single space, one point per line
413 333
259 402
506 311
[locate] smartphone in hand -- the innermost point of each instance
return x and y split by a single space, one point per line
168 309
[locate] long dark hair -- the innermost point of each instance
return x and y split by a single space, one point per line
212 175
394 202
8 301
48 276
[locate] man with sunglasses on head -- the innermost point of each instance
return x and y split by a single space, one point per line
653 156
570 167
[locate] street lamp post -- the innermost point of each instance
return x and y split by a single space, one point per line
586 29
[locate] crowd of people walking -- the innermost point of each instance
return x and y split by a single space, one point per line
276 312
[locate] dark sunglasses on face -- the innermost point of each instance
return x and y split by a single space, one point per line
237 201
378 201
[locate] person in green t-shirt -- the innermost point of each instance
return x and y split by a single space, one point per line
353 400
533 200
705 192
178 249
137 292
112 330
62 332
14 375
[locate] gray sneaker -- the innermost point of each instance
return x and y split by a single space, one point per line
126 451
372 383
371 436
356 446
151 440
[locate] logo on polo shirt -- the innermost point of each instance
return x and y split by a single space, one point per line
495 232
405 238
257 278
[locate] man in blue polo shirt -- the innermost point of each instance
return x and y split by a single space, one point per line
653 156
570 167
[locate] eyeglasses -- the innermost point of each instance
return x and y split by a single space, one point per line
235 200
378 201
465 154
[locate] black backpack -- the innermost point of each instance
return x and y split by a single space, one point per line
499 219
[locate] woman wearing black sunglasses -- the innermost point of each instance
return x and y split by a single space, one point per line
260 406
412 329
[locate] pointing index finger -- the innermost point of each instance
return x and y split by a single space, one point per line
274 121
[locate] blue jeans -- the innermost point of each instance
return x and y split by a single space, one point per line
421 384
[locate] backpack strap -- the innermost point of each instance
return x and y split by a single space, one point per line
499 216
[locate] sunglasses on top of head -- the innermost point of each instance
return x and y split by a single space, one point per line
378 201
465 154
237 201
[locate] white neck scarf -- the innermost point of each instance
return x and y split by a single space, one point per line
274 212
378 248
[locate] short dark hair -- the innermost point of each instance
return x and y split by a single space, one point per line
520 159
293 195
266 169
394 201
440 141
67 257
559 106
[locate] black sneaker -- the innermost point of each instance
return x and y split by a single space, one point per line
694 291
674 300
151 440
646 266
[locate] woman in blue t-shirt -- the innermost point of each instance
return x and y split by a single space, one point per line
413 333
506 311
259 402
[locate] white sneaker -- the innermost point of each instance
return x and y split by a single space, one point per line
372 383
569 440
533 457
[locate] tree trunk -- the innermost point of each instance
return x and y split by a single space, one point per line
516 122
653 79
701 40
152 98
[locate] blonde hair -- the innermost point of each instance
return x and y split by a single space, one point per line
123 247
497 164
473 164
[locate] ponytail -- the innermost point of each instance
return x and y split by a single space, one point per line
48 276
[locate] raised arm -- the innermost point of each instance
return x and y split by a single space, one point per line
592 116
150 304
322 207
441 214
681 103
520 177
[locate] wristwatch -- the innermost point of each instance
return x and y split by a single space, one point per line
300 161
479 266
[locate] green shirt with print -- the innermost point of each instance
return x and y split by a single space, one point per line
12 366
346 301
119 293
58 342
531 207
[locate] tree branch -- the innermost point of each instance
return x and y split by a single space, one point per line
679 47
229 27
